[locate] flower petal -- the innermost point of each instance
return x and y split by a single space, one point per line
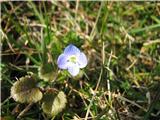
71 50
82 60
62 61
73 69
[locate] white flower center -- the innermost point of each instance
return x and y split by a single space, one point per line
73 59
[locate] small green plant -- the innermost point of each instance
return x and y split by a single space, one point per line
122 44
27 89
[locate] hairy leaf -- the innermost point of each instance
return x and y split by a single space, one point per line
54 104
25 90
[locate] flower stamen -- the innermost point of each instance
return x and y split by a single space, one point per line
73 59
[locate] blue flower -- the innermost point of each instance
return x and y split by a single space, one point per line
72 59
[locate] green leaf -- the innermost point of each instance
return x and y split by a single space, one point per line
53 104
46 72
25 90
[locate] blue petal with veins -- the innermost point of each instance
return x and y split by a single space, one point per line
72 60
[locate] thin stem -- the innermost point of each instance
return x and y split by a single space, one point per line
25 110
